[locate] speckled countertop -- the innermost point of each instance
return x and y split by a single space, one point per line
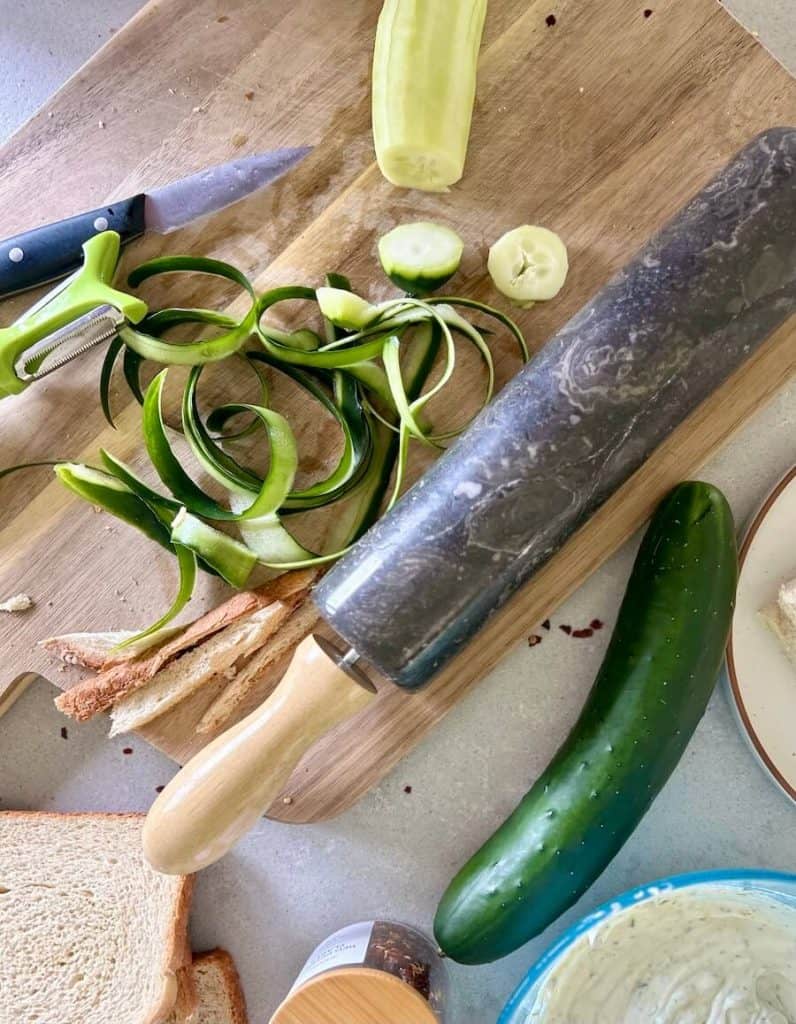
286 888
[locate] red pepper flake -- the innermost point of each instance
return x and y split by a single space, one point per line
407 789
64 733
127 750
546 625
566 629
550 20
596 624
159 789
583 634
648 13
534 639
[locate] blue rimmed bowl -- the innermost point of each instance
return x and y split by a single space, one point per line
774 884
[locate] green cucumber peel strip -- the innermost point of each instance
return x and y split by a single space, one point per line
254 510
131 366
186 563
29 465
356 360
195 353
274 487
283 464
186 265
167 465
487 310
111 494
223 468
346 408
217 419
108 363
234 561
163 507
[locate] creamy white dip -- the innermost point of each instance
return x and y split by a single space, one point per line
707 956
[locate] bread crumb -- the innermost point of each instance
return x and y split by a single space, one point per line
17 603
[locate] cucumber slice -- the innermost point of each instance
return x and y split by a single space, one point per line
420 257
528 264
344 309
424 77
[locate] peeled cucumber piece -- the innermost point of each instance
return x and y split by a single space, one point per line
424 75
528 264
420 257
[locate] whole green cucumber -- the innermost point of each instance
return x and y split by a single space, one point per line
651 691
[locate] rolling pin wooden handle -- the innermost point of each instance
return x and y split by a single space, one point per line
219 795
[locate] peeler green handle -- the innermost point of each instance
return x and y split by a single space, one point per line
51 319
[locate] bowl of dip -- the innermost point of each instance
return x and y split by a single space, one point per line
714 946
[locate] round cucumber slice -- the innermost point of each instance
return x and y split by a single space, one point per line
420 257
345 309
528 264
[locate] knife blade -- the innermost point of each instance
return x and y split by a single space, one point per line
52 251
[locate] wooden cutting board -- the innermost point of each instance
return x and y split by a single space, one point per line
600 126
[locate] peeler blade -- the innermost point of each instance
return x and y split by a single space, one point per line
69 342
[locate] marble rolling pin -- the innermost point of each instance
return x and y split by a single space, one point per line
566 433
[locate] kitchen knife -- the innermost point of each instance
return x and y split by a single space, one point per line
701 297
54 250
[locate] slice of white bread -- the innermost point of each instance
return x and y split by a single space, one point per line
91 934
780 617
219 990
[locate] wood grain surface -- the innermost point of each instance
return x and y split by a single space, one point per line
599 127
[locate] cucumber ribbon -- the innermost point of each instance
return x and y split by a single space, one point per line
368 371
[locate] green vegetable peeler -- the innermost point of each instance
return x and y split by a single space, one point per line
79 313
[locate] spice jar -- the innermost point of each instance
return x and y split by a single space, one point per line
374 972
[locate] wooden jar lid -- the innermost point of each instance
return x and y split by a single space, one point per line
355 995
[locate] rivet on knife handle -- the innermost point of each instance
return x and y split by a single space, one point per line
219 795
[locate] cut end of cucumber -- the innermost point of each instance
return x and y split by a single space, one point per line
528 264
424 169
420 257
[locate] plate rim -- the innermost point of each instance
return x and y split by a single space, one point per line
732 675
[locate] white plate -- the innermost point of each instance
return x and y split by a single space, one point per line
762 678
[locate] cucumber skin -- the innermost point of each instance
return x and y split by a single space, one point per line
649 695
420 286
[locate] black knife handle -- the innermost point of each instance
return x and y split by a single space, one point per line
55 250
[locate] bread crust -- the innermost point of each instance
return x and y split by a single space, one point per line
221 959
299 625
98 693
83 650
